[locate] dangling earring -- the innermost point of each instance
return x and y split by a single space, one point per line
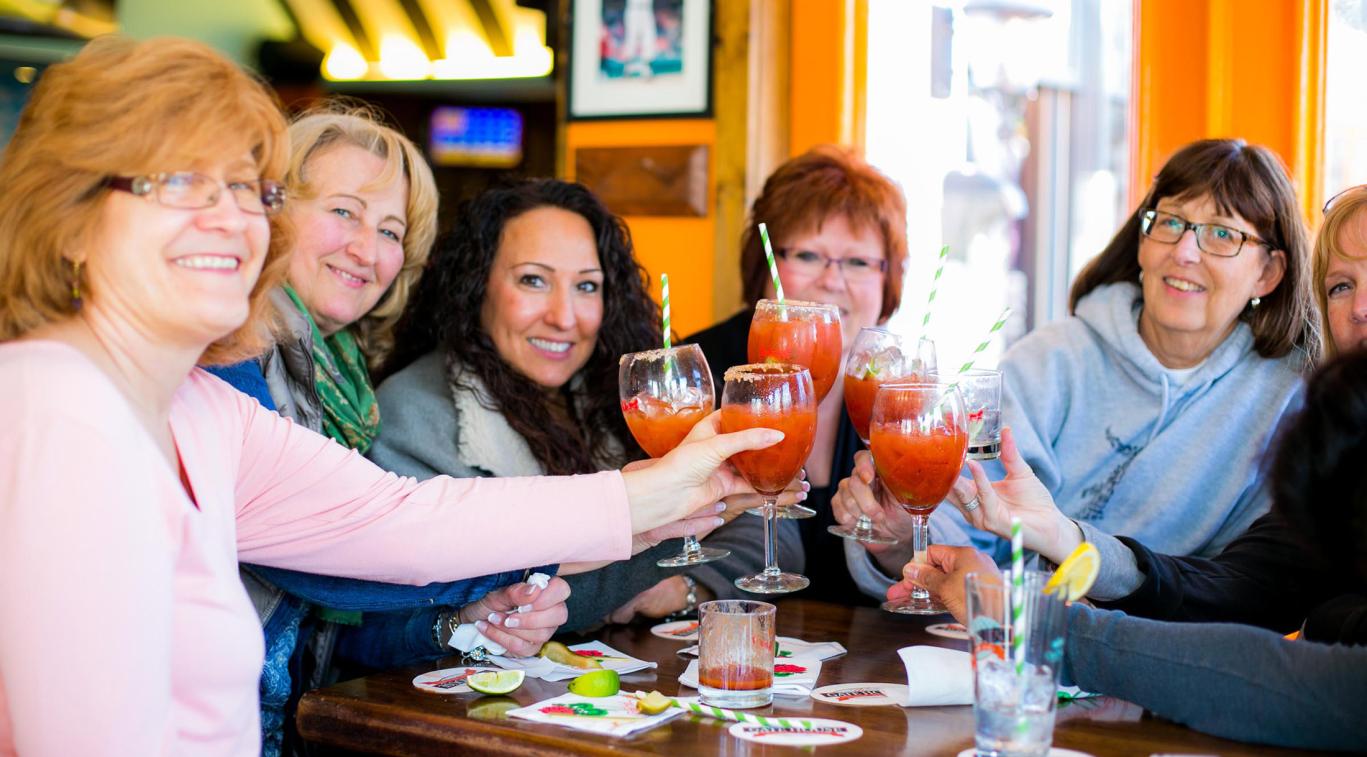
1141 277
76 285
1255 302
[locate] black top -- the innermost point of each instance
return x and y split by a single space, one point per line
725 345
1266 577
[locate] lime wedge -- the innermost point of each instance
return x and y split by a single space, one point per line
1077 573
654 703
496 682
599 683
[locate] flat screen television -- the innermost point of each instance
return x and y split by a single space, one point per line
479 137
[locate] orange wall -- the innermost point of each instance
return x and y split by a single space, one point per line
827 82
1229 68
681 247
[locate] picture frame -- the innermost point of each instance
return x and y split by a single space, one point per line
640 59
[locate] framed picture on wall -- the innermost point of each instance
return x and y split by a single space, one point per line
640 59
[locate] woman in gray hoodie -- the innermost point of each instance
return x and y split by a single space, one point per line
1189 336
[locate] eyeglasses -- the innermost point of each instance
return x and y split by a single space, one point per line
1330 202
1211 238
191 191
853 268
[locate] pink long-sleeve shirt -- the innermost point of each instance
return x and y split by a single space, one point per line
123 626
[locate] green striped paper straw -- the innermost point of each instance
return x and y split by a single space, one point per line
1001 321
773 266
664 297
1017 596
934 287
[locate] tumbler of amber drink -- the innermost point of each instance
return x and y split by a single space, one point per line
777 396
736 653
664 393
877 357
919 437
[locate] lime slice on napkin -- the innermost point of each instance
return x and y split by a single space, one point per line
496 682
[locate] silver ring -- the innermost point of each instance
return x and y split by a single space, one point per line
971 505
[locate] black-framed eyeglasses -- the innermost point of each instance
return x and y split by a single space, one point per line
1211 238
1330 202
853 267
192 191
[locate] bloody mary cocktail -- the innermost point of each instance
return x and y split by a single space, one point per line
770 469
658 425
918 469
800 333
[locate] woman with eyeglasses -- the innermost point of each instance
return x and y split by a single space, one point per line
134 247
838 228
1145 414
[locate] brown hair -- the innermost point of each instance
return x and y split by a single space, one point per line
346 123
1239 178
124 107
827 181
1336 224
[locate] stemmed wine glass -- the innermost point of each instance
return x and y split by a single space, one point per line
778 396
799 333
919 438
664 393
878 357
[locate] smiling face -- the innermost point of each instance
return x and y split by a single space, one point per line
1192 300
1345 287
544 301
349 236
860 301
178 276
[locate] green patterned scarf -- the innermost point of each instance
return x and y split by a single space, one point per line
350 414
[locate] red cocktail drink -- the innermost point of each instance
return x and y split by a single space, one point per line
800 333
659 426
918 469
770 469
734 677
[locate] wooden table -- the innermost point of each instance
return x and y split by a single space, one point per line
385 714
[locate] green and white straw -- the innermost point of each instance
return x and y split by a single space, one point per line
1017 597
769 255
664 297
735 716
934 287
1001 321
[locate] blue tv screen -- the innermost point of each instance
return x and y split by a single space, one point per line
482 137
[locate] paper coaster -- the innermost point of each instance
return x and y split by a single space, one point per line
679 630
448 680
948 630
1053 752
862 694
807 732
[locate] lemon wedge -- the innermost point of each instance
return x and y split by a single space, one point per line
596 683
654 703
1077 573
557 652
496 681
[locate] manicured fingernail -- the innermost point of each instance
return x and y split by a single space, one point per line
806 486
718 522
481 626
772 436
720 507
524 608
495 618
511 623
802 496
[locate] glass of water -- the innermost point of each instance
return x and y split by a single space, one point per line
982 392
1014 705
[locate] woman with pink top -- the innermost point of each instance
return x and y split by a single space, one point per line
134 246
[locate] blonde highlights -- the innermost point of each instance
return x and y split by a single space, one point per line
1337 222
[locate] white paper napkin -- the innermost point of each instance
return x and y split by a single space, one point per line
792 677
789 647
540 667
938 676
616 715
467 637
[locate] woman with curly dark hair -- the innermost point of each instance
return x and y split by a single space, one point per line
505 364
